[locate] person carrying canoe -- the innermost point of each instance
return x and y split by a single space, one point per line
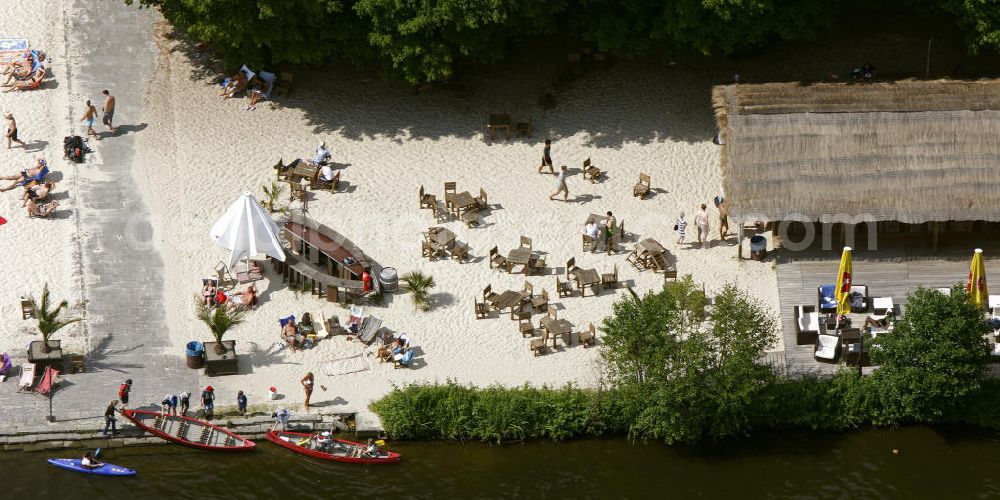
90 462
208 402
185 402
123 392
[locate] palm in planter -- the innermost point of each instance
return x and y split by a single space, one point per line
419 284
271 195
49 321
219 320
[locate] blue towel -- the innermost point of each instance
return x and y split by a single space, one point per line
829 300
38 178
284 321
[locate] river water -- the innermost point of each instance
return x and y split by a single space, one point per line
928 463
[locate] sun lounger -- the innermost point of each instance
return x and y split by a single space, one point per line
806 324
226 280
47 381
882 305
251 273
369 327
42 211
27 377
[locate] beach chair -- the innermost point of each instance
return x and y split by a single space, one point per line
588 337
482 311
426 200
354 321
427 250
27 377
641 188
226 280
369 328
481 201
280 170
42 211
538 345
610 279
858 298
29 82
540 302
806 324
440 214
488 294
563 288
882 305
590 172
588 243
570 268
471 217
524 128
251 272
633 258
497 260
48 380
318 184
403 360
524 324
27 309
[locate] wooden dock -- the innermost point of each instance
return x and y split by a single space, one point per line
887 273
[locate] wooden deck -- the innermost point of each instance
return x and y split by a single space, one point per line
893 272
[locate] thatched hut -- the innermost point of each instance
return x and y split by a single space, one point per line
906 153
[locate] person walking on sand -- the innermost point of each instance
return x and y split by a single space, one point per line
561 185
88 116
109 419
723 219
680 226
123 392
109 110
241 404
701 222
12 130
609 231
307 385
547 157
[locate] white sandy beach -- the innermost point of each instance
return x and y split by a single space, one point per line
199 153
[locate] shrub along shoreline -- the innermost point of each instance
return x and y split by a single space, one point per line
681 374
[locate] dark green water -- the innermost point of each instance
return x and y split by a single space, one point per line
931 463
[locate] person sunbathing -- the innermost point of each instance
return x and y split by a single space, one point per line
246 299
238 83
18 71
208 293
36 210
28 83
256 86
291 335
38 192
24 176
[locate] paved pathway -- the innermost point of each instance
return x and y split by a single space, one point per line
112 47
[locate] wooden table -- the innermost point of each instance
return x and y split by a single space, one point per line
596 219
499 121
585 278
519 257
557 328
441 237
648 249
303 170
460 201
509 299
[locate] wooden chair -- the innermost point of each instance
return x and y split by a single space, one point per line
280 170
440 214
526 242
296 192
426 250
633 258
641 189
552 313
524 324
460 252
538 345
27 309
536 266
481 202
284 84
563 288
226 279
426 200
540 302
482 311
497 260
318 184
588 337
590 172
659 262
570 267
610 279
588 243
670 273
471 218
488 294
524 128
452 189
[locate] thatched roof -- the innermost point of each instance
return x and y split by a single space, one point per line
911 151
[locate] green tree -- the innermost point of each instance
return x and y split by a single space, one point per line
933 358
219 320
49 320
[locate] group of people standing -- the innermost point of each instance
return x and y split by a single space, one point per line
90 114
168 405
702 225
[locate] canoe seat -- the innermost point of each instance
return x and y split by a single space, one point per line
205 434
229 441
182 429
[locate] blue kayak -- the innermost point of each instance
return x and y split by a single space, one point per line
104 470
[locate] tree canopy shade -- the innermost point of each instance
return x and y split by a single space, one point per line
420 40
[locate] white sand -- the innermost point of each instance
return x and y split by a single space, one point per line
200 152
36 251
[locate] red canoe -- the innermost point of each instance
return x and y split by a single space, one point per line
188 431
341 451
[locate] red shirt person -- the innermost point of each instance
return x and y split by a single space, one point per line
366 280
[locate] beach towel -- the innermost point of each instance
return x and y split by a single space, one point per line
48 380
2 221
829 300
13 50
268 78
343 366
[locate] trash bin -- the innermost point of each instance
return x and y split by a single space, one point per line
195 354
758 247
389 279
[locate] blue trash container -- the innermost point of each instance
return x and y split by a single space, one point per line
195 354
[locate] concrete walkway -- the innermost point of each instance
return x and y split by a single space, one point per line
111 46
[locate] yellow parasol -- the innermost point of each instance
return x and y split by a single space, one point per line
977 279
844 283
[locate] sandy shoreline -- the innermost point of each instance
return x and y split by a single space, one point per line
199 153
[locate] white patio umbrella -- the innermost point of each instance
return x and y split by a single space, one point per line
248 230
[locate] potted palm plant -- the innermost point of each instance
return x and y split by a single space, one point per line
419 284
48 351
220 356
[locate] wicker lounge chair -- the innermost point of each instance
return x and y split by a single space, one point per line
641 188
827 348
806 324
